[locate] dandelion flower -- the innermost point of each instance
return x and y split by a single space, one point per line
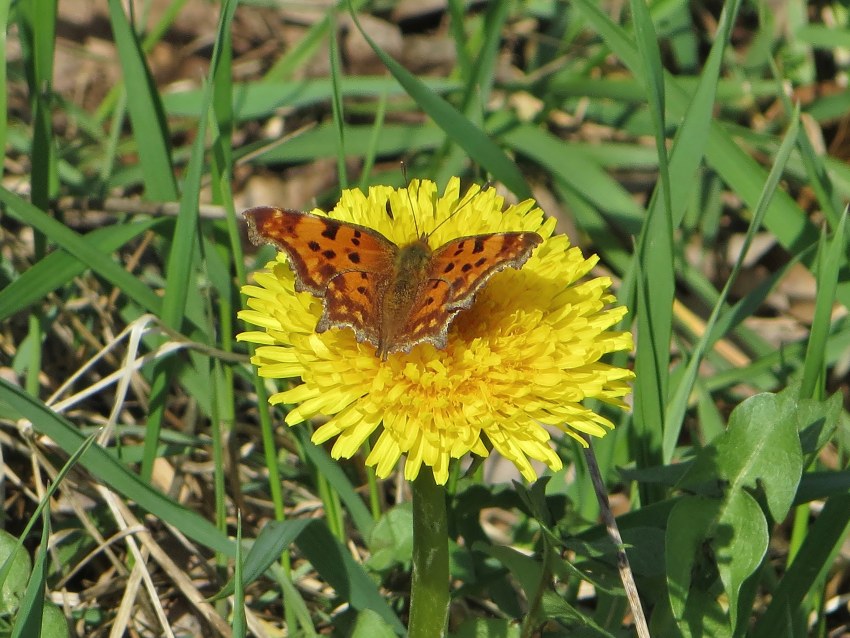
524 355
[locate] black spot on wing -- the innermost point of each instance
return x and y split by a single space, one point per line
331 229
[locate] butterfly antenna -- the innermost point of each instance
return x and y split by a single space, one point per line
404 173
466 200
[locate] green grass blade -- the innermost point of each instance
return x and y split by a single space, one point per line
321 141
741 172
336 103
336 477
675 412
833 253
118 92
183 255
256 100
811 565
146 112
59 267
37 21
479 84
86 252
371 151
579 170
480 148
653 77
655 273
239 622
28 619
105 466
4 26
456 16
307 46
37 26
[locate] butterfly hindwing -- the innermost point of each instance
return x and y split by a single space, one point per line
320 248
431 315
353 299
468 262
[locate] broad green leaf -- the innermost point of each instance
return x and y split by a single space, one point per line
685 553
760 451
28 619
391 539
53 622
527 570
487 628
739 544
15 583
554 607
370 625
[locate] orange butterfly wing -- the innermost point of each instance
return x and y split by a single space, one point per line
468 262
351 268
346 265
457 271
320 248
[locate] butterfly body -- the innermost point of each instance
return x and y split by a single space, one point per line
393 297
410 272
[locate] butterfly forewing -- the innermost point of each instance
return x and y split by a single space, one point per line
457 270
468 262
320 248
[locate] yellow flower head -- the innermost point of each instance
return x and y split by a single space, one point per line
525 354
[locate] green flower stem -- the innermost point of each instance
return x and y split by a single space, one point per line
429 595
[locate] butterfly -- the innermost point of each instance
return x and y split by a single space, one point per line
393 297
